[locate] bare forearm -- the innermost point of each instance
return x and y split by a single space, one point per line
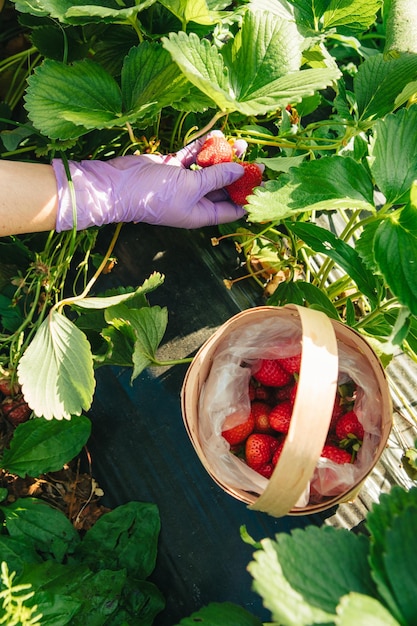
28 198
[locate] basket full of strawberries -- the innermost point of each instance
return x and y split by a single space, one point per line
288 410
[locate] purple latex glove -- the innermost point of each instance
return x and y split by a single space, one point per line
148 188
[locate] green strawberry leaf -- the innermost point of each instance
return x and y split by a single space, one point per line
100 13
259 74
323 564
393 153
147 326
282 8
395 250
45 528
362 610
305 294
217 613
354 16
151 80
56 370
281 164
379 521
192 11
64 101
287 606
380 86
40 446
325 242
344 184
79 12
400 558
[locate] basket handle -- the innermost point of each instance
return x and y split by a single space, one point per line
311 416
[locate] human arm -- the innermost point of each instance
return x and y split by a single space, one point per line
155 189
28 197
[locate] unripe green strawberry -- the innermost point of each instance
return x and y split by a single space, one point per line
241 188
214 150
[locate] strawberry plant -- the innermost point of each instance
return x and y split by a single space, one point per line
327 575
323 93
311 90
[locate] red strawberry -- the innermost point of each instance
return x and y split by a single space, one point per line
336 454
266 470
244 186
283 393
8 388
215 149
239 433
349 427
278 452
16 410
293 393
291 363
271 374
251 391
280 416
338 410
259 449
260 412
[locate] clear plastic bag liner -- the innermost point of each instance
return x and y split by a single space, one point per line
225 395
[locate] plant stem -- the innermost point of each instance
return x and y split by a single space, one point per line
71 300
376 312
189 138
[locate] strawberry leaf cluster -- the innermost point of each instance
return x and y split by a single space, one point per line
327 575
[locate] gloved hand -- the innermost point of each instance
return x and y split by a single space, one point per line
148 188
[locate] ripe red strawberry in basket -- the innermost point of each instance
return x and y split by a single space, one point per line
260 412
259 449
278 452
244 186
291 363
349 427
239 433
271 374
280 416
336 454
215 149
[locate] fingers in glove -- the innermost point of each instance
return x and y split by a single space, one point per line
217 176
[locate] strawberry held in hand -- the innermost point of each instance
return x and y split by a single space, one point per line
216 149
244 186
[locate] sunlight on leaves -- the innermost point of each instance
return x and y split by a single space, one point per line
263 73
56 370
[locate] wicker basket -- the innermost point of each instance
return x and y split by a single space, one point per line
321 340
